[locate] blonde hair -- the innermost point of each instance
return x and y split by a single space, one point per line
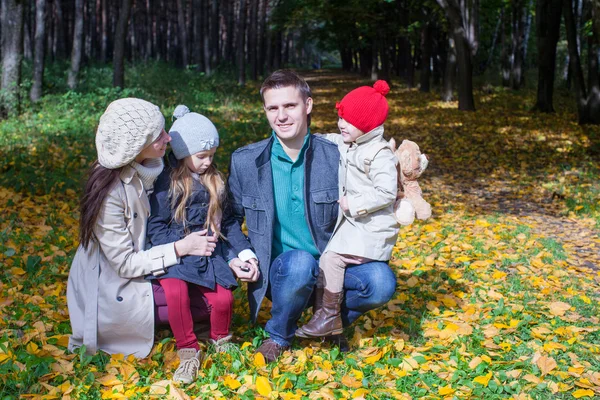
181 190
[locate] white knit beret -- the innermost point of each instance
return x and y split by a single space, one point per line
191 133
127 126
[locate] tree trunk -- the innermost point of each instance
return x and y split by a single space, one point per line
229 53
241 36
506 55
27 32
214 33
593 101
585 104
462 20
61 40
11 25
119 52
494 41
252 40
548 15
262 38
77 45
426 46
206 47
38 61
183 40
526 40
518 38
449 72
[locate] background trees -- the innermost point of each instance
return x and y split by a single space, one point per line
443 44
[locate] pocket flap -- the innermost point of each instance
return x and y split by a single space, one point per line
252 202
325 196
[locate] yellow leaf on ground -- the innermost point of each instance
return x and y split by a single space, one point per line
532 378
551 346
109 380
259 360
231 383
445 390
351 382
546 364
583 393
263 386
317 375
558 308
483 379
17 271
475 362
359 393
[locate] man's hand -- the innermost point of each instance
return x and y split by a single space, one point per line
245 271
344 204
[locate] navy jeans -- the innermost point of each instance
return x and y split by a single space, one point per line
293 276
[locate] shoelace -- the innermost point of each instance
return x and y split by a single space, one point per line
187 366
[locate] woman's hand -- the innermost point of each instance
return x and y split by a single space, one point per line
245 271
196 244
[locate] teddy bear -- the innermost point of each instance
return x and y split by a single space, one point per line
409 201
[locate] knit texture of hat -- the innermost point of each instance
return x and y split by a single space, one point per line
127 126
191 133
365 107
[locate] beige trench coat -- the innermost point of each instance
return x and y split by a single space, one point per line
369 229
111 306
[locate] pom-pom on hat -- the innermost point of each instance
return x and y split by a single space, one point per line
127 126
365 107
191 133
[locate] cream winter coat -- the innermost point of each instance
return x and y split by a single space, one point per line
111 306
369 228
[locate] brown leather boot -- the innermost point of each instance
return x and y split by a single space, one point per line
318 304
327 320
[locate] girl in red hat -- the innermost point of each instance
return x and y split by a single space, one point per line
366 229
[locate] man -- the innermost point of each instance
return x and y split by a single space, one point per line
286 188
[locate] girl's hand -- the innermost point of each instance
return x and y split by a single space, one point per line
196 244
344 203
245 271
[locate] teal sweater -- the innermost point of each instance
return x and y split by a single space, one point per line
291 228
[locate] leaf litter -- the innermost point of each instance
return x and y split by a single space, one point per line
497 294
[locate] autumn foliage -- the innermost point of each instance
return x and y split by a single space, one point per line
497 294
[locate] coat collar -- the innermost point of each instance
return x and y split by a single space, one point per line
367 137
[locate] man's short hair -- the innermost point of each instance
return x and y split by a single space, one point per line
284 78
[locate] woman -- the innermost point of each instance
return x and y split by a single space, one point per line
111 305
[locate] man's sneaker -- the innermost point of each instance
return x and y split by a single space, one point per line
189 363
271 350
222 345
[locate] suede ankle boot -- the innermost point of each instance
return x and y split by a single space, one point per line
327 320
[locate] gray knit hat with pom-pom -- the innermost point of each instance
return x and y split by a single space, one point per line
127 126
191 133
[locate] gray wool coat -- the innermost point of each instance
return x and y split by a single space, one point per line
251 186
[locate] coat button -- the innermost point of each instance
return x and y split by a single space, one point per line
254 206
134 215
119 298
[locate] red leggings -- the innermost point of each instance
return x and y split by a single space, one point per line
220 302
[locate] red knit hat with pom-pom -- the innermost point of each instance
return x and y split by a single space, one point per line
365 107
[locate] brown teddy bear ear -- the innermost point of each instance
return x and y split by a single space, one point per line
392 144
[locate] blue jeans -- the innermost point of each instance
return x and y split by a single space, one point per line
293 276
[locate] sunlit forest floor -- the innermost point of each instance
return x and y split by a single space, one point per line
497 293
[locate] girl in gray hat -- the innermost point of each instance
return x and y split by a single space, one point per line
190 196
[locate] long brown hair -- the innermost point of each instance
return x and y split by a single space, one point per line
181 190
99 183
